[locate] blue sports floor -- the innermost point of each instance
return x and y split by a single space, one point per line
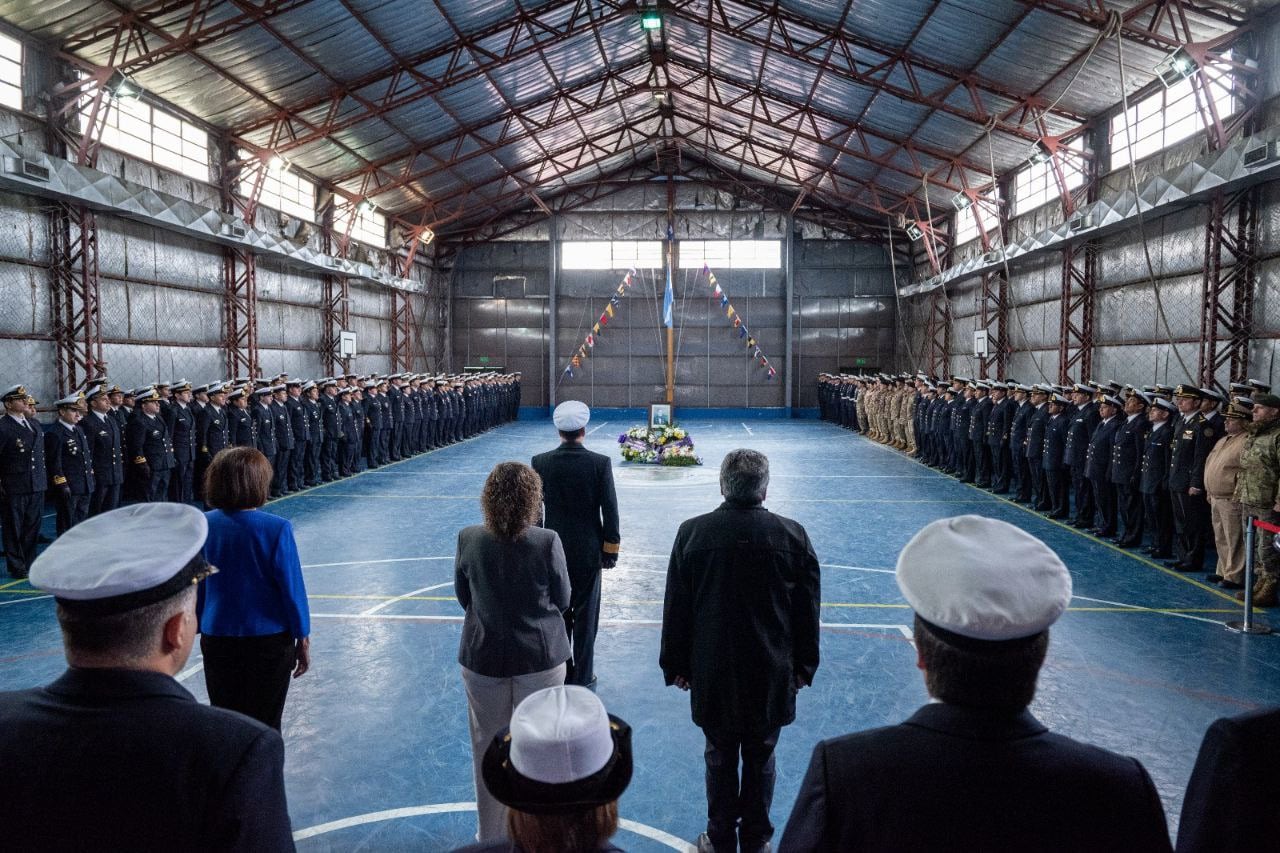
376 733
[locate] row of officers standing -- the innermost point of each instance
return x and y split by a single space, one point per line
1173 471
110 445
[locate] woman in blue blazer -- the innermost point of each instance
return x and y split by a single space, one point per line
254 622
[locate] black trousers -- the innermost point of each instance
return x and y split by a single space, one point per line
1039 485
1104 498
158 487
739 804
1022 477
393 441
1084 497
20 526
297 465
182 481
1131 511
1159 512
982 462
582 621
104 499
249 674
280 471
1192 528
329 459
313 472
69 510
1057 491
1000 468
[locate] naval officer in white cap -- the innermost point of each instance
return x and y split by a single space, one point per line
116 754
581 506
974 770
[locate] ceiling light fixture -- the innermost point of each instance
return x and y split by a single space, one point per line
365 206
277 164
914 231
1176 67
123 88
961 201
1040 153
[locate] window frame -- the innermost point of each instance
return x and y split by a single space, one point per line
729 254
605 255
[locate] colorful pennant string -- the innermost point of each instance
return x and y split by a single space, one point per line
743 332
594 336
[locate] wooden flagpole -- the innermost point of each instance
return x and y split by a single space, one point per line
671 266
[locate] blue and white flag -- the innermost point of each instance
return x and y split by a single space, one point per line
668 295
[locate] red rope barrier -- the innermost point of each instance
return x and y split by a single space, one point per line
1262 525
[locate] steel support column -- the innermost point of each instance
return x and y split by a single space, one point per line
335 305
938 332
1079 286
1230 282
994 319
77 314
240 312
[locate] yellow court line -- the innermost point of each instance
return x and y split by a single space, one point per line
13 583
1144 561
24 592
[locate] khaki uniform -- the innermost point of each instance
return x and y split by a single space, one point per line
1220 474
1258 489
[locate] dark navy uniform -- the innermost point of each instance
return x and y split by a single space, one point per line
331 434
981 451
1097 465
22 486
264 416
1083 422
242 426
1057 484
300 425
373 429
315 437
70 467
150 451
1154 487
213 426
1035 454
1188 552
106 450
395 407
1125 473
999 422
285 444
351 416
1021 471
181 423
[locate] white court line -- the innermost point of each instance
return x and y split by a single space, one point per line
657 835
858 568
25 599
375 608
372 562
1154 611
748 429
601 426
190 671
905 630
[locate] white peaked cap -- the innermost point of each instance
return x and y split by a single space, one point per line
571 416
983 579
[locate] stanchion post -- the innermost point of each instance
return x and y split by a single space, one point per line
1247 626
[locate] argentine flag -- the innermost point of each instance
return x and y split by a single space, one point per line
668 295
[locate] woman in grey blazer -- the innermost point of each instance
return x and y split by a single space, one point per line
510 578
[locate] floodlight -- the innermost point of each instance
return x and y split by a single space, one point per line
426 236
914 231
277 164
1262 155
1176 67
1040 153
365 206
651 19
961 201
123 88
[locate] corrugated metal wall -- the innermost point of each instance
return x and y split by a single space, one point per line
1147 319
162 295
842 312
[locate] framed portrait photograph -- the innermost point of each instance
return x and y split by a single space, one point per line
660 414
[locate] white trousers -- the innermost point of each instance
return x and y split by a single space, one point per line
490 703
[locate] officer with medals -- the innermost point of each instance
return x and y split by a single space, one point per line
106 451
213 425
1186 546
330 430
311 408
149 448
180 420
241 425
69 464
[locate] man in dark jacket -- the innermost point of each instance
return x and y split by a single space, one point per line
1084 421
1020 471
286 443
69 463
581 505
1057 478
106 449
974 770
1035 446
180 420
998 426
136 761
1098 464
1188 548
1153 484
1125 471
149 448
1231 798
740 631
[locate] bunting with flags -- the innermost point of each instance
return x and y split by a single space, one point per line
753 346
594 336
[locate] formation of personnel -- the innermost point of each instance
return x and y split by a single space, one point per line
1126 464
110 445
